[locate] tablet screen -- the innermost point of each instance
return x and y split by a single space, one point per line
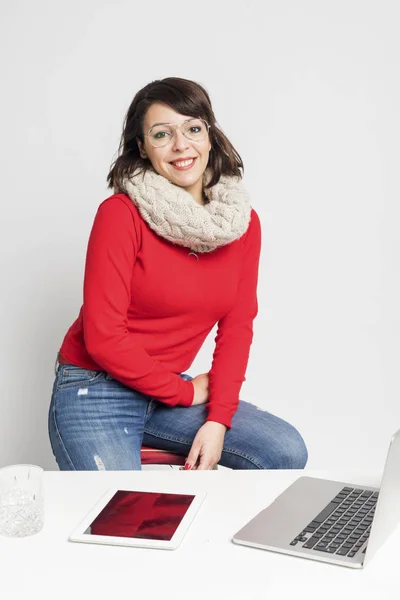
145 515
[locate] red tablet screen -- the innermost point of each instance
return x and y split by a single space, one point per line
146 515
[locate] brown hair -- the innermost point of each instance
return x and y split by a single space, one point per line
188 98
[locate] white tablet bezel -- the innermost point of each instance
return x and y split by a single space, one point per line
79 535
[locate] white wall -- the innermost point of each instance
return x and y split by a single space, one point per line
308 92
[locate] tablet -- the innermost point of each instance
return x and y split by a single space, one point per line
139 519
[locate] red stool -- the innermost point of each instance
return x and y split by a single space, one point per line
154 456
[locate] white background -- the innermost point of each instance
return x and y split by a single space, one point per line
308 92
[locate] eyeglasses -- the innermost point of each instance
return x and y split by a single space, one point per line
195 130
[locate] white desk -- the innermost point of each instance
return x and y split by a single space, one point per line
207 564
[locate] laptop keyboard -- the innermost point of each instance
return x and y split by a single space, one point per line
343 526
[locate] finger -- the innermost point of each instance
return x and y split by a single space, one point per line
193 455
204 463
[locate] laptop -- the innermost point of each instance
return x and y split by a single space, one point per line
330 521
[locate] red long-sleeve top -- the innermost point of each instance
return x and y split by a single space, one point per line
148 307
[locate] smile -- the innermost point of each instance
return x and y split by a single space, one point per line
183 165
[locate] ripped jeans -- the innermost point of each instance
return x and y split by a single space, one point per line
96 422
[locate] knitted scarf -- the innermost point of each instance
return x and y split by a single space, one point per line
173 213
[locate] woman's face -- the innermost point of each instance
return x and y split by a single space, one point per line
179 148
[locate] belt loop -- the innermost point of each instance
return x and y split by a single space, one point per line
56 364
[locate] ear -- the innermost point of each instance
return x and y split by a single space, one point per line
141 148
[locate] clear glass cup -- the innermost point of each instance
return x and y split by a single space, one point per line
21 500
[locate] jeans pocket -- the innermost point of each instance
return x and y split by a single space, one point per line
71 375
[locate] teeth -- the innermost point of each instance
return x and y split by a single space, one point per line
184 163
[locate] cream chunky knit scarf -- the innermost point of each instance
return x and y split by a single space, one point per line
173 213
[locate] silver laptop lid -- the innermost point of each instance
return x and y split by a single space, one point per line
387 511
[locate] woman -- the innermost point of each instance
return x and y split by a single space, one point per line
172 252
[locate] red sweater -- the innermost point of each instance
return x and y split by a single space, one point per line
148 307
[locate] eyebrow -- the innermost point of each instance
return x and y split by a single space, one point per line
185 121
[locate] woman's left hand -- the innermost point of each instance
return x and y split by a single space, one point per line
207 446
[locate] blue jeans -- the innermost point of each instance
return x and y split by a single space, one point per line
97 423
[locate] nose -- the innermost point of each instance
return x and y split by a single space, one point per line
180 142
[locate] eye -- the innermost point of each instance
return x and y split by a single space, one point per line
160 135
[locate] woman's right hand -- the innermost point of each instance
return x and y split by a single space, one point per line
201 389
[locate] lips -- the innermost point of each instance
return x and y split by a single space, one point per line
183 159
185 167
